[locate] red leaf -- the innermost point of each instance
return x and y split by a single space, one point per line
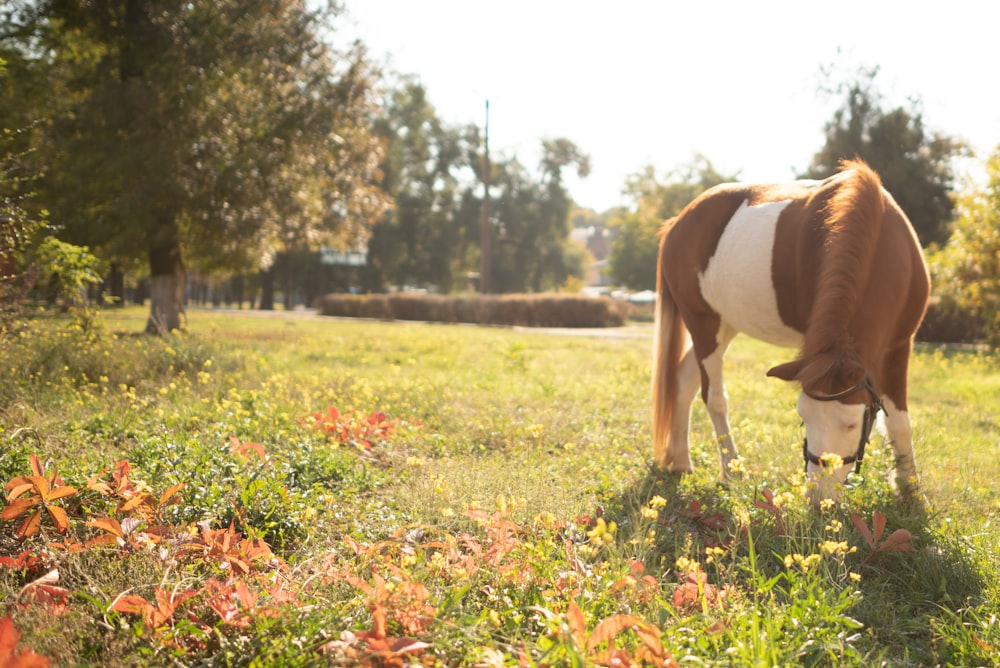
55 599
244 449
898 540
24 561
863 529
878 524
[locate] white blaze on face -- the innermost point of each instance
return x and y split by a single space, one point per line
832 428
737 282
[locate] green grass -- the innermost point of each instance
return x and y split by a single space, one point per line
510 498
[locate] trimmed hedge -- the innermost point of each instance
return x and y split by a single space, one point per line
539 310
947 322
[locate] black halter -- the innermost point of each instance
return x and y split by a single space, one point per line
872 409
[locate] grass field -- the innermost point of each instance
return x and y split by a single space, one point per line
294 490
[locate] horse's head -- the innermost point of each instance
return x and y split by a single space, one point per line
838 405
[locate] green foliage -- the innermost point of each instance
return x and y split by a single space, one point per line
421 240
175 126
967 270
19 228
914 163
509 516
634 249
528 248
72 269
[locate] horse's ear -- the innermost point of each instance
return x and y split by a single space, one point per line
787 371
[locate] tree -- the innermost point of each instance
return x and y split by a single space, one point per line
420 241
914 162
223 131
530 249
635 244
967 269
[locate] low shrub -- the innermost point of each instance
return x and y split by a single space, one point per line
538 310
948 322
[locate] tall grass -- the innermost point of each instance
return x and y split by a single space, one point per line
505 511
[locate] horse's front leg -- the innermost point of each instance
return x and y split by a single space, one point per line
897 419
717 404
897 426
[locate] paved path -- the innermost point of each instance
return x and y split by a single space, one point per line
634 331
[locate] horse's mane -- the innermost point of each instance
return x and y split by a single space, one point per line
852 222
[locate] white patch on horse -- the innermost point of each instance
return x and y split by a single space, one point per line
737 281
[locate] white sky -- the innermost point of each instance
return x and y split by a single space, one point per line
654 82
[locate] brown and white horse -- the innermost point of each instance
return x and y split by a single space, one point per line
830 267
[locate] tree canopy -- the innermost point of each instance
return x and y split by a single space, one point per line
634 248
915 163
216 131
967 269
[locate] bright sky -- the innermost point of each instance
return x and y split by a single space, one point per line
654 82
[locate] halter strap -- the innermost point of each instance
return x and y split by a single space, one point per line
872 409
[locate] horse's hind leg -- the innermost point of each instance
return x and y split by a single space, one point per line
716 402
678 450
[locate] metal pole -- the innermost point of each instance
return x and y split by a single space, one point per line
484 213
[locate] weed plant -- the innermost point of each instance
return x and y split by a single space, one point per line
308 491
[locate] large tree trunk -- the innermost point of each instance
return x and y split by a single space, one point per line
166 288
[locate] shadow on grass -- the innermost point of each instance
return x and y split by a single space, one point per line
919 606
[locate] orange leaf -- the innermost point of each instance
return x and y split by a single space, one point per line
41 483
60 492
103 539
30 526
609 627
18 486
18 507
36 466
577 624
133 605
135 502
167 604
171 491
247 597
98 486
9 656
650 637
108 524
59 518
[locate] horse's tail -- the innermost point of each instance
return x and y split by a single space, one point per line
669 336
854 216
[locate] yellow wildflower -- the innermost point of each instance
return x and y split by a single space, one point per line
657 502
